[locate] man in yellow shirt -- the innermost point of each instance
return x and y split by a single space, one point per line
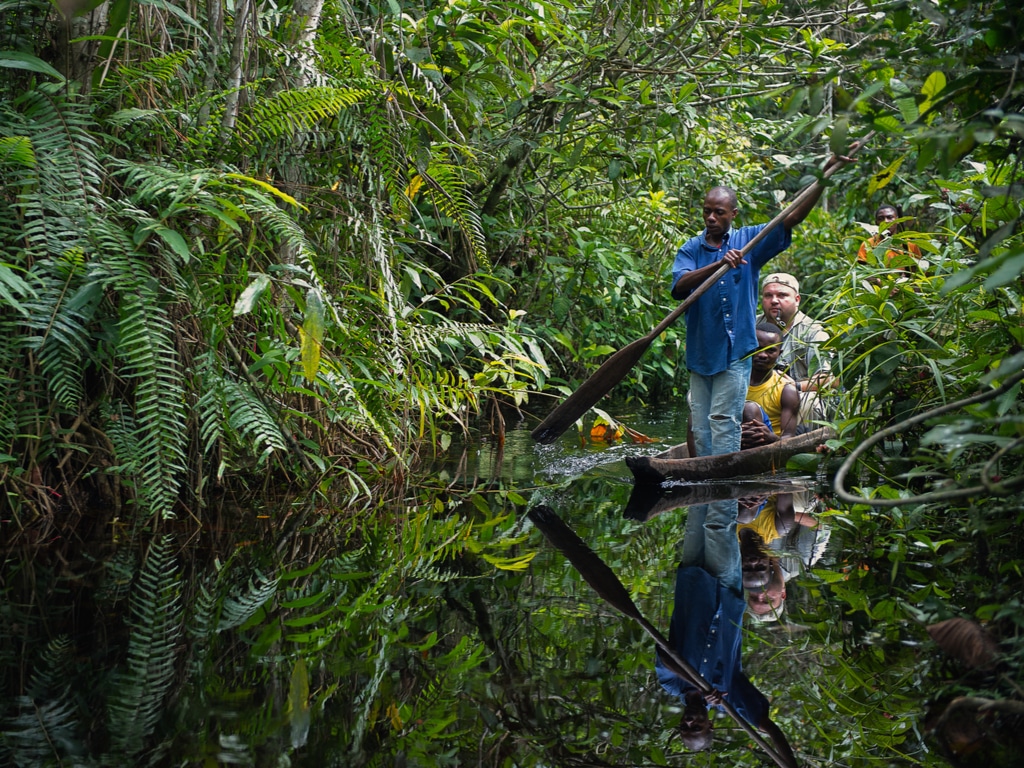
773 405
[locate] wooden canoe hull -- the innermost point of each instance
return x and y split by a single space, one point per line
753 461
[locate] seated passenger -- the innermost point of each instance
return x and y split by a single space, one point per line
773 404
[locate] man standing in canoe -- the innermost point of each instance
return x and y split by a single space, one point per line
720 333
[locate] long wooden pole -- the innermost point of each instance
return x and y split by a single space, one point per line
615 368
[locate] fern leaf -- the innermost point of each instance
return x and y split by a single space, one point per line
288 112
139 689
239 608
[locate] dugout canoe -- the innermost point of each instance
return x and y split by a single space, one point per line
675 464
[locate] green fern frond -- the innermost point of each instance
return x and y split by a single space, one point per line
361 401
387 155
149 361
210 406
138 690
648 223
448 190
203 621
51 673
228 408
44 732
55 196
17 150
9 390
160 69
427 571
13 287
158 185
249 418
58 323
289 112
242 606
118 571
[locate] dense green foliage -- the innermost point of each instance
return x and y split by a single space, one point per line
252 247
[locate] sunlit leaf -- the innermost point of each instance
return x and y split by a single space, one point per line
298 703
312 334
883 177
248 298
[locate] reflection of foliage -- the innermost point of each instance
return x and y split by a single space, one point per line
136 699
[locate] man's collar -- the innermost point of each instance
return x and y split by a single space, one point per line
725 238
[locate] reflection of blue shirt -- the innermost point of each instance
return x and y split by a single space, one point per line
720 324
705 631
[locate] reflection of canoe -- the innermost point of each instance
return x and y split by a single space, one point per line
648 499
674 464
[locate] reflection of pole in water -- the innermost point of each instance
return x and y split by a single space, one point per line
608 586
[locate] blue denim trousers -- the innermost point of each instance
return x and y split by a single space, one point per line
710 542
716 411
716 408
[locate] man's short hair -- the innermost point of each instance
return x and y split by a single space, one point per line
729 193
769 328
698 742
782 278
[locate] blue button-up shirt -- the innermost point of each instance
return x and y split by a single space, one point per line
720 324
706 632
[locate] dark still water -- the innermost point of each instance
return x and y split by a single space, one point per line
482 621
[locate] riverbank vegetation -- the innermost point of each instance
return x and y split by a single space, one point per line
252 250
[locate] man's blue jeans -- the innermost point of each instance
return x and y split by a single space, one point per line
710 542
716 411
716 408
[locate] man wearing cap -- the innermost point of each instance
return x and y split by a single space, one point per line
800 358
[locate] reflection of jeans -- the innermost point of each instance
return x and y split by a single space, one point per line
716 408
710 541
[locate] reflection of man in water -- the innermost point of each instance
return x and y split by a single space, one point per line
706 631
764 521
763 577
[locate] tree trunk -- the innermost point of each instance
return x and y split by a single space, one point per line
77 60
235 69
215 24
303 24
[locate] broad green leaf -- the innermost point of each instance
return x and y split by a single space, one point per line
20 60
837 141
888 124
908 109
933 86
248 298
298 703
1009 270
176 242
